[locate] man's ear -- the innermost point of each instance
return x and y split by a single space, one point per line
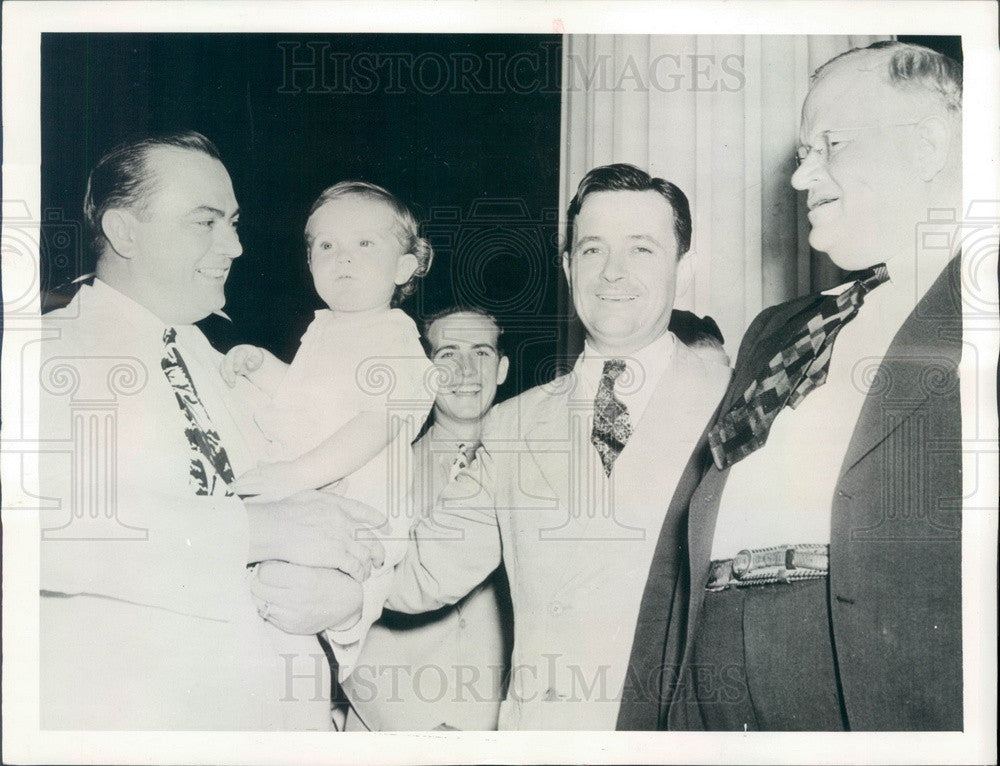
118 225
685 274
405 266
934 136
502 369
565 267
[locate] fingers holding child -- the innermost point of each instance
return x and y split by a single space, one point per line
242 360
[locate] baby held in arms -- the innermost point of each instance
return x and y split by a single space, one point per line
343 413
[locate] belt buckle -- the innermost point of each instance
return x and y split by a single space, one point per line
776 562
742 563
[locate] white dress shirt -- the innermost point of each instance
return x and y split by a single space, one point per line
782 493
635 386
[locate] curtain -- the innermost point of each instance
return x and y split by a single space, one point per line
718 115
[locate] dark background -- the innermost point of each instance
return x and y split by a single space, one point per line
476 157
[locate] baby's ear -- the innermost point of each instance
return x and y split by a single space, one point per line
405 266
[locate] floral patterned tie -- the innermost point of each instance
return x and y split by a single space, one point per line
612 426
209 461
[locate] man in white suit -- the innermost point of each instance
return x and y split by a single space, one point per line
574 478
146 616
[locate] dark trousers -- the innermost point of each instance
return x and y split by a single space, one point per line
764 660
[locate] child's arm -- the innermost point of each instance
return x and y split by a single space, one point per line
354 444
258 365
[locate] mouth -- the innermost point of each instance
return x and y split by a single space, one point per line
616 297
820 202
469 391
214 274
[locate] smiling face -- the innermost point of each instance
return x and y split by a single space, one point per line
180 247
464 347
355 254
622 269
866 200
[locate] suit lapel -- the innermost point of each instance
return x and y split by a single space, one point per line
666 436
925 351
676 419
549 439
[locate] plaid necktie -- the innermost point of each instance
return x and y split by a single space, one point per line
612 426
209 461
790 375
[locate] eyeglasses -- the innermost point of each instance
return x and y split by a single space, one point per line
832 141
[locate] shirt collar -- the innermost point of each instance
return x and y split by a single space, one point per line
443 439
647 364
136 317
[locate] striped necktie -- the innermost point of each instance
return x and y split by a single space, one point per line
209 461
791 374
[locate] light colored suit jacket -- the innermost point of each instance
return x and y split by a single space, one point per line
577 547
449 666
146 619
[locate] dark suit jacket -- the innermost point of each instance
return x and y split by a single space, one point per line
895 553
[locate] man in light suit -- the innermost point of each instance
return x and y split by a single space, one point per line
824 583
574 478
444 669
146 617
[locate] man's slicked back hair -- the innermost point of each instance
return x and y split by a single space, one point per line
122 178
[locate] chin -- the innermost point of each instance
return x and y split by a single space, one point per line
853 261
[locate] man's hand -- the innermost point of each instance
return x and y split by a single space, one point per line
317 529
305 600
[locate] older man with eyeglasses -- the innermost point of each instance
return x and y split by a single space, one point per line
825 535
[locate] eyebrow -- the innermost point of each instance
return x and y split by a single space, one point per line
454 347
214 211
645 238
642 237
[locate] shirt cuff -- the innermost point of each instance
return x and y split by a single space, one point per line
348 643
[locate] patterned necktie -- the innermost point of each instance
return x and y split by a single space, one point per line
790 375
462 460
209 461
612 426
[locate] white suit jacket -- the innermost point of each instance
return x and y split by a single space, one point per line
577 547
146 620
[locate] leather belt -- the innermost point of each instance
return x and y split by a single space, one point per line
764 566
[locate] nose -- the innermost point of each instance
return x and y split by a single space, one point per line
614 267
808 172
466 365
228 241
